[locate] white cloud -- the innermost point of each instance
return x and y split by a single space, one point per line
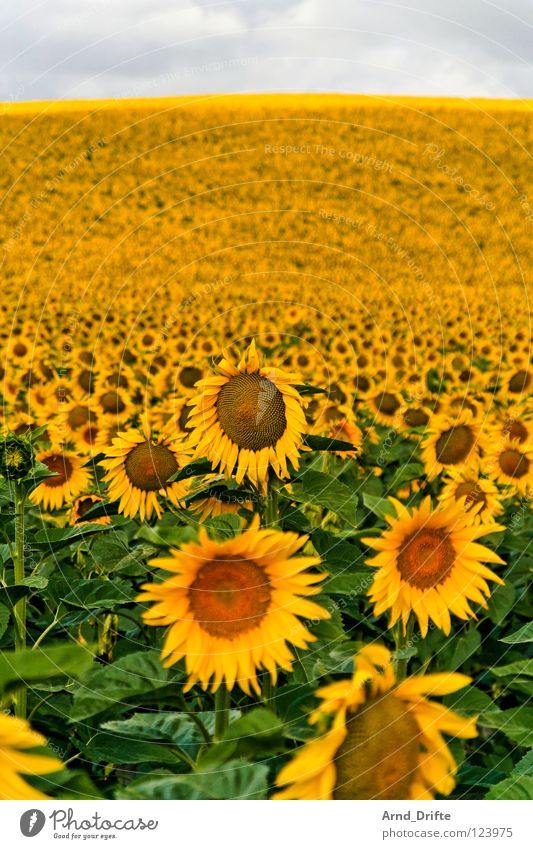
114 48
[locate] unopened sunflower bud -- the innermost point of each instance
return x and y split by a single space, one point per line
16 457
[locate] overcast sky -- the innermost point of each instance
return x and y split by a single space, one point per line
134 48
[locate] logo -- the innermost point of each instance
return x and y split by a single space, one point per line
32 822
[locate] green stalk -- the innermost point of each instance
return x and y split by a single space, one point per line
272 506
268 690
222 703
403 639
19 609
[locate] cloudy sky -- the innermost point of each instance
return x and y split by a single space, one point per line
134 48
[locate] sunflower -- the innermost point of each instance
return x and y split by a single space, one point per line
384 404
451 441
385 741
233 605
81 506
511 463
346 430
430 563
211 502
518 382
113 401
76 415
468 486
70 478
16 737
247 419
138 470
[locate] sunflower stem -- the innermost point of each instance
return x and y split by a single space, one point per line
271 516
403 640
222 703
19 609
268 690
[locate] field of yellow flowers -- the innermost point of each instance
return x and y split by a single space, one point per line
267 449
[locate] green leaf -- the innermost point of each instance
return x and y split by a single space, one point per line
515 723
465 647
348 583
326 491
122 683
405 473
501 602
519 787
336 552
35 582
10 595
174 729
379 505
98 594
32 665
324 443
175 535
54 539
308 389
258 732
525 765
200 467
518 668
523 635
5 614
236 779
67 784
470 700
225 526
114 749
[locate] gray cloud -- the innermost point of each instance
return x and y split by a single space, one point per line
118 48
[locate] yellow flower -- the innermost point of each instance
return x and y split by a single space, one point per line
138 470
430 563
386 739
69 478
232 606
451 441
16 737
248 418
511 463
81 506
479 496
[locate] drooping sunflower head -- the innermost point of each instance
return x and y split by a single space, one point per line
139 469
69 478
247 419
428 563
451 441
233 606
385 739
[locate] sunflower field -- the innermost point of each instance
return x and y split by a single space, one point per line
267 449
